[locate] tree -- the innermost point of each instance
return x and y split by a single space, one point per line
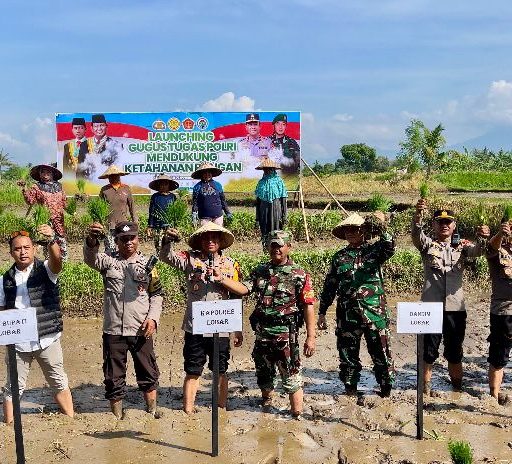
422 145
5 161
357 157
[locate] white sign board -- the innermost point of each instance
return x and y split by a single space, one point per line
18 326
419 318
216 316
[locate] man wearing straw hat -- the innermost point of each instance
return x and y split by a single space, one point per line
284 299
271 196
208 200
207 244
132 304
355 278
119 197
160 201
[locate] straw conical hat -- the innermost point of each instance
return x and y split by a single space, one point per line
111 171
206 167
155 183
34 172
226 237
352 220
267 163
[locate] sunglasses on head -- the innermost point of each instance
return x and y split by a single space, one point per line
17 233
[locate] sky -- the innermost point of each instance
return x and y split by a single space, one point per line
359 71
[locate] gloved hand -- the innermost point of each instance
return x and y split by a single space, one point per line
195 218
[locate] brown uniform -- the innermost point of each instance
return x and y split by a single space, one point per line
197 347
443 266
131 296
121 202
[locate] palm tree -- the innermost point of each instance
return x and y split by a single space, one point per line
433 142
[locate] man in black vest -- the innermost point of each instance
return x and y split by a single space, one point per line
31 283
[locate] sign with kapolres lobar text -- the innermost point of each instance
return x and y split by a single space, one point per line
419 318
217 316
18 326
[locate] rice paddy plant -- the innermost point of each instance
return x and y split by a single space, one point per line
10 222
243 224
71 206
424 190
507 212
80 186
10 194
481 213
460 452
174 215
99 210
379 202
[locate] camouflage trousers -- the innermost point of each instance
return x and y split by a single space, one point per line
269 355
349 335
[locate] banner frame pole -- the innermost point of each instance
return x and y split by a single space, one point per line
420 369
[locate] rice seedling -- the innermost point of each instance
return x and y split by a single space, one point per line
99 210
174 215
80 186
507 213
71 206
481 213
460 452
424 190
379 202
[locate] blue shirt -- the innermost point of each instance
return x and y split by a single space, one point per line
208 200
157 206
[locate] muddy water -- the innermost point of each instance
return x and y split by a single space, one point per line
366 429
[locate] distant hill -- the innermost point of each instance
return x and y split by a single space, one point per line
495 140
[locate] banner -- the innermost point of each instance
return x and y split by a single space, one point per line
148 144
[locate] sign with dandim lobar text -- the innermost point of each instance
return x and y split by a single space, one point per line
419 318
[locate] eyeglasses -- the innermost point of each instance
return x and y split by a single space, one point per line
17 233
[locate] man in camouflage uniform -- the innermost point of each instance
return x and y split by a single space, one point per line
286 151
355 277
284 296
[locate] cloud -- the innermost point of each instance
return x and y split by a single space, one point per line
228 102
343 117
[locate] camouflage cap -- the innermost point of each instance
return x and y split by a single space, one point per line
281 237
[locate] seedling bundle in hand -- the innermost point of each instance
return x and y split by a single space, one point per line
99 210
175 215
40 216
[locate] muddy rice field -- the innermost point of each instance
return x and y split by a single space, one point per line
334 428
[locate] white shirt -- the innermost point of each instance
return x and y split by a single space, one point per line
23 301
